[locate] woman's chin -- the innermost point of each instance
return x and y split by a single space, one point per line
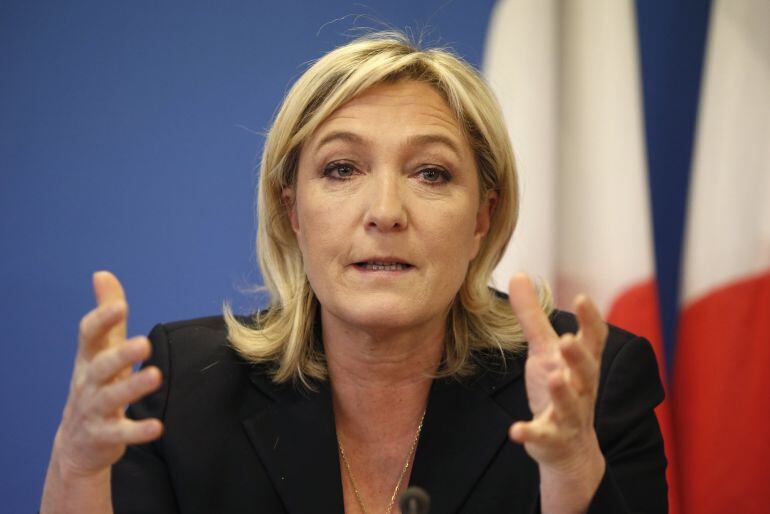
393 316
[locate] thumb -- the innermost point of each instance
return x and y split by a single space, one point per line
107 289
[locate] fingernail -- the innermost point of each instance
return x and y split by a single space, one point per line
97 274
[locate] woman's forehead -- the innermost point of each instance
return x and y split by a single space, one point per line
416 109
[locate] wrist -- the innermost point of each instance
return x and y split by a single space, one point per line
569 486
68 490
65 471
585 456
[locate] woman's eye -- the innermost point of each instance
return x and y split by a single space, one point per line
434 175
339 170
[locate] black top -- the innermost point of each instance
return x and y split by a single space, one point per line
234 442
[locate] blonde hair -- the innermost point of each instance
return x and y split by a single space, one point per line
479 319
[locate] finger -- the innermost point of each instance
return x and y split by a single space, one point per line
129 431
107 289
95 326
536 431
115 396
113 361
593 329
526 305
584 367
566 404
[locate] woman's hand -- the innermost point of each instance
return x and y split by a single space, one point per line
562 379
94 431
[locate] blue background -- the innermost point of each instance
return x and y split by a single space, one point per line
130 135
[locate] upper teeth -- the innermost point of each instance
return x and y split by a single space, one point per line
384 266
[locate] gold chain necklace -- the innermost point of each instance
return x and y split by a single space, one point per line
400 476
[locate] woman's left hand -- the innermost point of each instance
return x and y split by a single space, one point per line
562 379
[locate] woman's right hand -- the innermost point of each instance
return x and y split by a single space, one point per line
94 430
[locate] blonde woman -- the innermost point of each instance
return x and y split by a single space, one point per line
387 195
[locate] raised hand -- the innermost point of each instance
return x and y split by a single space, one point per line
562 378
94 431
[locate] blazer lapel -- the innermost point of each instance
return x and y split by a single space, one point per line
464 430
296 441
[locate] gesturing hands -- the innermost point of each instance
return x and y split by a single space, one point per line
94 430
562 379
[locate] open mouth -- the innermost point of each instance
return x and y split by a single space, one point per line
383 266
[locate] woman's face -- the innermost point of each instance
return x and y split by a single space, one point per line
386 208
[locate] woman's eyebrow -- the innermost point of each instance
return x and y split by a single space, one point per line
341 135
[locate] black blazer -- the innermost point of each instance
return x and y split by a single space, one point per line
237 443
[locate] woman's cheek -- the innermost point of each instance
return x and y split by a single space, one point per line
456 231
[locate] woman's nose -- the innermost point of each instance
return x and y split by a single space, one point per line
386 211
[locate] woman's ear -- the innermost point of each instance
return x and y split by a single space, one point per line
288 197
486 211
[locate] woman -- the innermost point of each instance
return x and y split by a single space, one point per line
387 195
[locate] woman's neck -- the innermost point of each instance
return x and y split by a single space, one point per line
380 380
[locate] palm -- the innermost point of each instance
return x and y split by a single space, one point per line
94 430
537 370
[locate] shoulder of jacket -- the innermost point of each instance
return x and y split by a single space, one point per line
206 322
194 343
190 327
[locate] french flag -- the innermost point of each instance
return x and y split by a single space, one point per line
721 381
568 77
